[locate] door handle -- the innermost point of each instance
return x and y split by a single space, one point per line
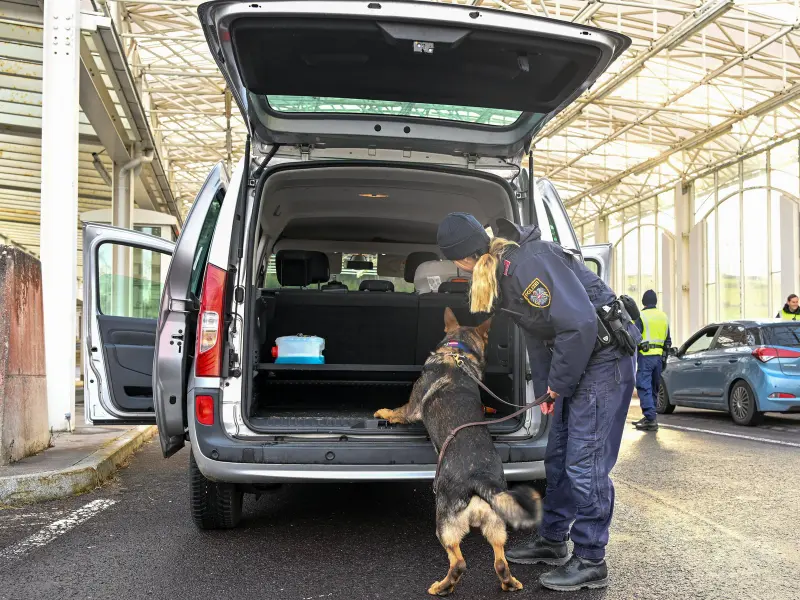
733 360
698 363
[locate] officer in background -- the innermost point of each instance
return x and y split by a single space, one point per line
654 325
581 342
790 310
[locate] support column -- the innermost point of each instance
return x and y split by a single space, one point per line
790 248
682 328
59 205
600 230
122 258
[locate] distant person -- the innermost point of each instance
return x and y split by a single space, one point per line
651 359
790 310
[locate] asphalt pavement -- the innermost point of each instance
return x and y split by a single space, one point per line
699 514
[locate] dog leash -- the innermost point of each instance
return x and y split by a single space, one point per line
460 363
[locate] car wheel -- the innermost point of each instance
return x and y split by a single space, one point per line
663 405
742 405
214 505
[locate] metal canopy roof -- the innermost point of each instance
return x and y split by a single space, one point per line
112 121
703 83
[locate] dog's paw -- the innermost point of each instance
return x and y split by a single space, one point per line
442 588
384 413
512 585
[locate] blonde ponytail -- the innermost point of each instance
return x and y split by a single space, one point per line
483 291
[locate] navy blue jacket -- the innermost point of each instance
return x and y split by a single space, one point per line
553 297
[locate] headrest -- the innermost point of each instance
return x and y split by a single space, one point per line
376 285
414 260
301 267
433 273
334 286
454 287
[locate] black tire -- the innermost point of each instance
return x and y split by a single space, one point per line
742 405
663 405
214 505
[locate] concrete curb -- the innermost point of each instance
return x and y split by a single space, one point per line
81 477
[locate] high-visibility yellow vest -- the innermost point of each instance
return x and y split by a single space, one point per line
656 325
787 316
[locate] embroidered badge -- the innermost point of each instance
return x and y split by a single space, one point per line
537 294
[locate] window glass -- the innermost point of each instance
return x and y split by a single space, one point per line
732 336
711 268
782 335
593 265
702 343
755 215
785 167
329 105
204 245
703 196
130 280
730 259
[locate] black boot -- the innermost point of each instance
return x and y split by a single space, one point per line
647 425
576 574
639 422
539 550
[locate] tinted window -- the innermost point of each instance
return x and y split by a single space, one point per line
782 335
701 343
733 336
204 245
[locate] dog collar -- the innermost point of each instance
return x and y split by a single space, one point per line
455 344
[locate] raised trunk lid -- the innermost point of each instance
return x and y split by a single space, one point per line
408 76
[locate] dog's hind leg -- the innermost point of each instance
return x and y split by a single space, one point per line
493 529
450 534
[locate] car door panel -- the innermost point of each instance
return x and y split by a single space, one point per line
176 328
128 346
598 258
684 373
118 343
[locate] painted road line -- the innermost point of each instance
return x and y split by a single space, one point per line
57 528
739 436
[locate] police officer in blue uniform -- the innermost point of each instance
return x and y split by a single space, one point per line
581 343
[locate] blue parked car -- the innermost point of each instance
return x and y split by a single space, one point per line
744 367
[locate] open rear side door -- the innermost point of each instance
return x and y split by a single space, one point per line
123 275
598 258
177 321
551 215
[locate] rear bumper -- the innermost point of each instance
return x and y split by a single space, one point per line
221 458
777 383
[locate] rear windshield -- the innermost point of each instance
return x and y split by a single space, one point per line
327 105
782 335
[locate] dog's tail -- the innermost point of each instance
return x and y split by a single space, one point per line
521 508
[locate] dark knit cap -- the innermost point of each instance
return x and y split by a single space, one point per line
461 235
649 298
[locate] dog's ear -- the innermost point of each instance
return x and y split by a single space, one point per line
483 328
450 321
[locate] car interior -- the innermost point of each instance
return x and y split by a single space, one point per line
376 337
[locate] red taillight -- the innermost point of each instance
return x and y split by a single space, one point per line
781 395
204 410
209 323
274 352
767 353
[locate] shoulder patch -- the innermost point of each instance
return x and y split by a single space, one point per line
537 294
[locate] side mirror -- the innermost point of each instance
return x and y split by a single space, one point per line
672 351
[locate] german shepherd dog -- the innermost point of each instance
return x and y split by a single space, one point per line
471 490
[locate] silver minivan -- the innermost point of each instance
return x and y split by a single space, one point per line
368 122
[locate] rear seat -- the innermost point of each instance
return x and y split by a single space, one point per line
358 327
366 327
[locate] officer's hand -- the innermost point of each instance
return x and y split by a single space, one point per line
549 406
